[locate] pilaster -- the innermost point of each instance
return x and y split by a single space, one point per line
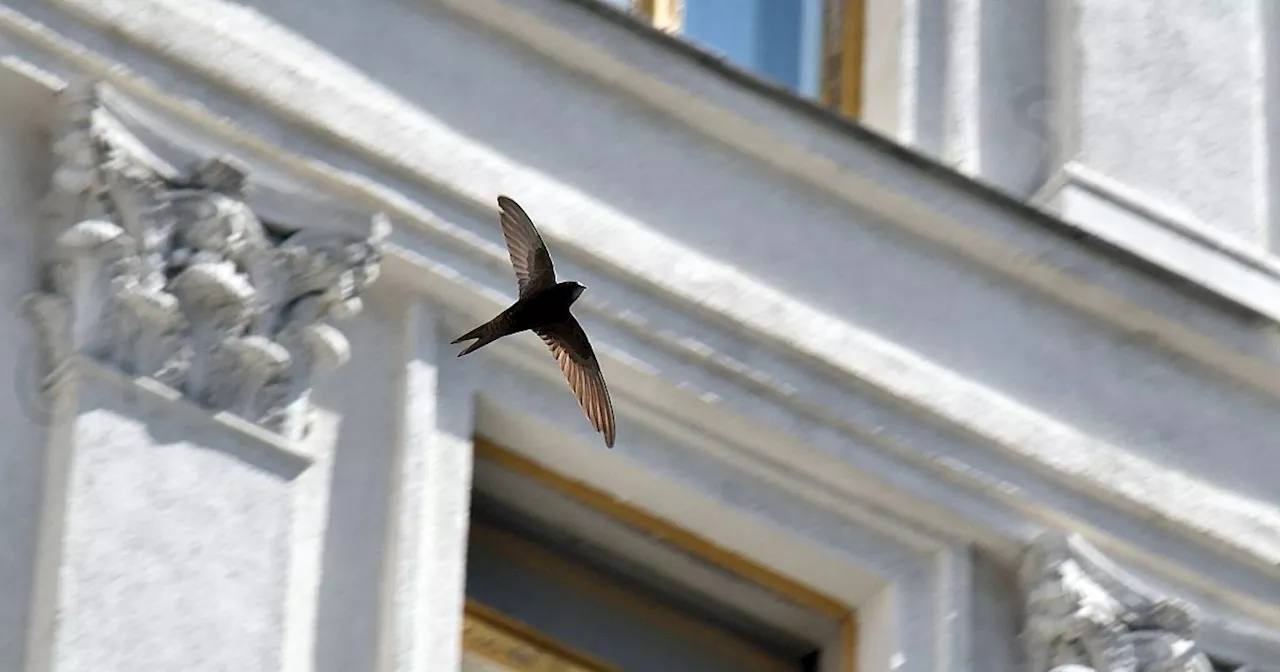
431 509
180 334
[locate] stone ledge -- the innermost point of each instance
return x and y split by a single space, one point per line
1247 276
293 455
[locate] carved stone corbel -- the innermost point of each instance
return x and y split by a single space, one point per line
171 274
1085 614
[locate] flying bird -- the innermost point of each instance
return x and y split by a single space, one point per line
543 308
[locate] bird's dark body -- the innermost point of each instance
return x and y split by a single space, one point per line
539 309
543 308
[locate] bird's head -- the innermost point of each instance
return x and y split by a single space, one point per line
569 290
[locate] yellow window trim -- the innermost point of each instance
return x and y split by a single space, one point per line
842 55
683 539
587 581
489 634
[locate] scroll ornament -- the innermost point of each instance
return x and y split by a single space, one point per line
1084 614
174 276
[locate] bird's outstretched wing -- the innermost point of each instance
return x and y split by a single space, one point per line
529 256
572 350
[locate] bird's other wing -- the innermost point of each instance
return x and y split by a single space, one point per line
529 256
573 352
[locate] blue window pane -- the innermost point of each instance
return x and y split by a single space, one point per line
776 39
725 26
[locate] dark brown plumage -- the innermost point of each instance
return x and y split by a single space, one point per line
543 308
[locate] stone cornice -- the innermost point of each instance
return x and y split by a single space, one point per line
1080 272
1171 239
762 132
171 275
1050 255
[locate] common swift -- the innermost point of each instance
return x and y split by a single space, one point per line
543 308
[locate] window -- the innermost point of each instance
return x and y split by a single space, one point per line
812 47
495 643
560 576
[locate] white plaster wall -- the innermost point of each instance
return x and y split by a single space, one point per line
689 190
998 95
904 72
432 492
175 551
1173 103
1170 102
389 582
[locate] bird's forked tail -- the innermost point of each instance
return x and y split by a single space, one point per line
484 335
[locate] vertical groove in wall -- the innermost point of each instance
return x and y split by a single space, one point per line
350 611
1269 35
1015 134
997 97
1062 75
397 645
926 39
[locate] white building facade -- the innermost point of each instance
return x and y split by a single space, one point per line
942 337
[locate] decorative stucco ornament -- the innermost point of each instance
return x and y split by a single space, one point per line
171 275
1085 614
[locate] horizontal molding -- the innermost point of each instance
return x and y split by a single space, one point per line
1107 208
1219 520
909 190
291 457
790 465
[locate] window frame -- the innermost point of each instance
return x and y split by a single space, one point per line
489 634
846 646
840 75
588 581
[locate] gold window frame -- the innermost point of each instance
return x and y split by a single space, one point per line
847 644
488 634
